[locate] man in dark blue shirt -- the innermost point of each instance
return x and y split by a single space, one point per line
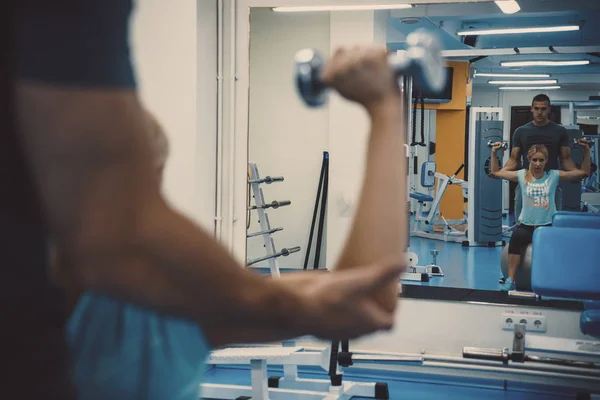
540 131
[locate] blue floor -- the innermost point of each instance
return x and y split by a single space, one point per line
414 387
464 267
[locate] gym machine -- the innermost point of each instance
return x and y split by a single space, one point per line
423 62
592 184
485 193
425 224
571 191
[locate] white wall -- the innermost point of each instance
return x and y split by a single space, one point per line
348 130
285 137
445 327
176 69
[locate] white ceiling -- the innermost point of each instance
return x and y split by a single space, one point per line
447 19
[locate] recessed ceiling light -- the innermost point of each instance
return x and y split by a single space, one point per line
342 8
495 75
510 31
543 63
530 82
529 87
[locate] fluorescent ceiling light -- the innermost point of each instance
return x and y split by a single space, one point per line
529 87
342 8
541 63
532 82
494 75
508 6
509 31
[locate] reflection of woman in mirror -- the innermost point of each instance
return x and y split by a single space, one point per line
538 194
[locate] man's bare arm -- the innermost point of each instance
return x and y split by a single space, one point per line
565 159
513 162
94 172
578 173
496 172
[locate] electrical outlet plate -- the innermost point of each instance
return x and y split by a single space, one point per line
533 321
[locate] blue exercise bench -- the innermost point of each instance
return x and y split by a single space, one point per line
564 266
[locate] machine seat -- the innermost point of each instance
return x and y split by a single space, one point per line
421 196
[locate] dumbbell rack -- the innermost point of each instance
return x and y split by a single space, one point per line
254 180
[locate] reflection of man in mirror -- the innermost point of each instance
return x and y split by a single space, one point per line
540 131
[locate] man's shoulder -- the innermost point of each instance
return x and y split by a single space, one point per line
557 127
524 132
525 127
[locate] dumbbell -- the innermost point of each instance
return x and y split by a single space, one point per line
588 141
490 144
422 60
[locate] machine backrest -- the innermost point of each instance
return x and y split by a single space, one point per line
566 219
428 174
564 262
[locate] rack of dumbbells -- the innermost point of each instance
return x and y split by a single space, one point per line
266 231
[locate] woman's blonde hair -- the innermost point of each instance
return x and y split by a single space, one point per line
536 148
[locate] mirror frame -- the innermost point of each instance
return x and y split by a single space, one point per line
237 40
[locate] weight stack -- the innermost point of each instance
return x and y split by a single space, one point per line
488 190
571 190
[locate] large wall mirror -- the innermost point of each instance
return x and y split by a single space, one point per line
495 75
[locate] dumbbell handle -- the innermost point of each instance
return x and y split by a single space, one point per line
284 252
274 204
267 179
588 141
267 232
490 144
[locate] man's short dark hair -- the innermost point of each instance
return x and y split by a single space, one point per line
540 98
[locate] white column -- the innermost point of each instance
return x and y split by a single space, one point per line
174 57
348 130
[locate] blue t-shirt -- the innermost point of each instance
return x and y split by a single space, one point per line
123 351
539 204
